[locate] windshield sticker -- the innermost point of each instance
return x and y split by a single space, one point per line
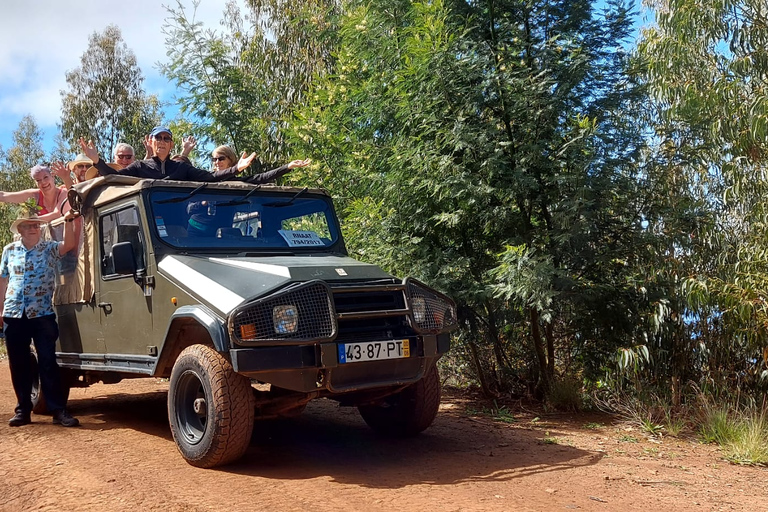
301 238
161 227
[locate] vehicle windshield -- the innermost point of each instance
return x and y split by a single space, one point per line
250 219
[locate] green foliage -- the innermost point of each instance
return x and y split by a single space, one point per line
705 64
466 151
241 85
717 424
26 152
565 394
30 207
104 100
750 446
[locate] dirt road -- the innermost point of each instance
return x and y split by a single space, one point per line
123 458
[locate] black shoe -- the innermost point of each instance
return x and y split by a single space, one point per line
63 418
19 419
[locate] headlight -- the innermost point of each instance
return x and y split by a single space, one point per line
432 312
285 319
419 309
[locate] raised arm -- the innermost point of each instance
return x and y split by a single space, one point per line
18 197
63 172
72 223
148 147
188 144
89 150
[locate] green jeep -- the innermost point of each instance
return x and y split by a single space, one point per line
244 297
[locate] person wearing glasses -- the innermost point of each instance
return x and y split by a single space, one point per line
123 154
27 283
160 166
47 195
225 156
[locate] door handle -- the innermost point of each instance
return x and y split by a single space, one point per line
105 304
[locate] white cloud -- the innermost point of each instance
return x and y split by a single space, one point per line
40 40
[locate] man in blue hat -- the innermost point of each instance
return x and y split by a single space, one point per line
161 166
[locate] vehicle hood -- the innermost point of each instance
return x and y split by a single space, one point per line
226 282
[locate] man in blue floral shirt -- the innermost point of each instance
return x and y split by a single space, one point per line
27 281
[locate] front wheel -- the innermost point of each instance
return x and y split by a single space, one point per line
210 408
408 412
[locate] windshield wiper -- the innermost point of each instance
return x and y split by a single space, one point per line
182 198
238 202
288 202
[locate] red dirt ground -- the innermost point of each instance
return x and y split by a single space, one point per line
123 458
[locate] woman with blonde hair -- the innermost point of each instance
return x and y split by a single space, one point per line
48 196
224 157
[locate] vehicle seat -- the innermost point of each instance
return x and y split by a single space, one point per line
130 233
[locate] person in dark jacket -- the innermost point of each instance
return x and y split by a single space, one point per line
224 157
160 166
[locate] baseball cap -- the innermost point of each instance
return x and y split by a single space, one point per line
157 130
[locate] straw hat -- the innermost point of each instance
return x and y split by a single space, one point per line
25 216
79 159
93 172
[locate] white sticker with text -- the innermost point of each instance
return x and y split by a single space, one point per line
301 238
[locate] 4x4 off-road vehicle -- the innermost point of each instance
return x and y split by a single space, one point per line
245 298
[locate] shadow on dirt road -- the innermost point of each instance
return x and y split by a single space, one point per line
327 440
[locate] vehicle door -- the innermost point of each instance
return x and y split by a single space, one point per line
126 312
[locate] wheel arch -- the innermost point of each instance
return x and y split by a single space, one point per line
190 325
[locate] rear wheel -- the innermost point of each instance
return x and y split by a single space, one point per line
210 408
39 404
408 412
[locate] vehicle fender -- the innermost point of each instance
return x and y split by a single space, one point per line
190 325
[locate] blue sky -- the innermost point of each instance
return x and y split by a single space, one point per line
40 40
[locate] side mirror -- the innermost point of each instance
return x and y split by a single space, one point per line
123 258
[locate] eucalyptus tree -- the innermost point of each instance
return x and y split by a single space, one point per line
707 64
15 163
104 100
240 85
491 147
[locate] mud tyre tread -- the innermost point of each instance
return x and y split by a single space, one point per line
221 434
408 412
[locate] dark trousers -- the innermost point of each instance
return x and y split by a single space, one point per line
19 332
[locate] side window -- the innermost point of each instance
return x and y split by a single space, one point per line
121 226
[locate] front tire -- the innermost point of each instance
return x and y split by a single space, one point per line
210 408
408 412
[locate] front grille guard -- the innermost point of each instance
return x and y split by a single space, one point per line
267 319
427 311
431 312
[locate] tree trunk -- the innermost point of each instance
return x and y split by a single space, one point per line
479 369
550 351
543 385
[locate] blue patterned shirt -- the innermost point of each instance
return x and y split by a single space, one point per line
31 278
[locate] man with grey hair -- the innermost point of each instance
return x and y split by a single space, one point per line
123 154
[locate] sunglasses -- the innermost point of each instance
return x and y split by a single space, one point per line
124 157
219 158
82 166
163 138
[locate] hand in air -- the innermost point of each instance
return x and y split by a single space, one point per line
299 163
245 161
89 149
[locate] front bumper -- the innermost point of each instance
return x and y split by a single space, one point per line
313 367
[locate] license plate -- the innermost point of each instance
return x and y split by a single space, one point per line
373 351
